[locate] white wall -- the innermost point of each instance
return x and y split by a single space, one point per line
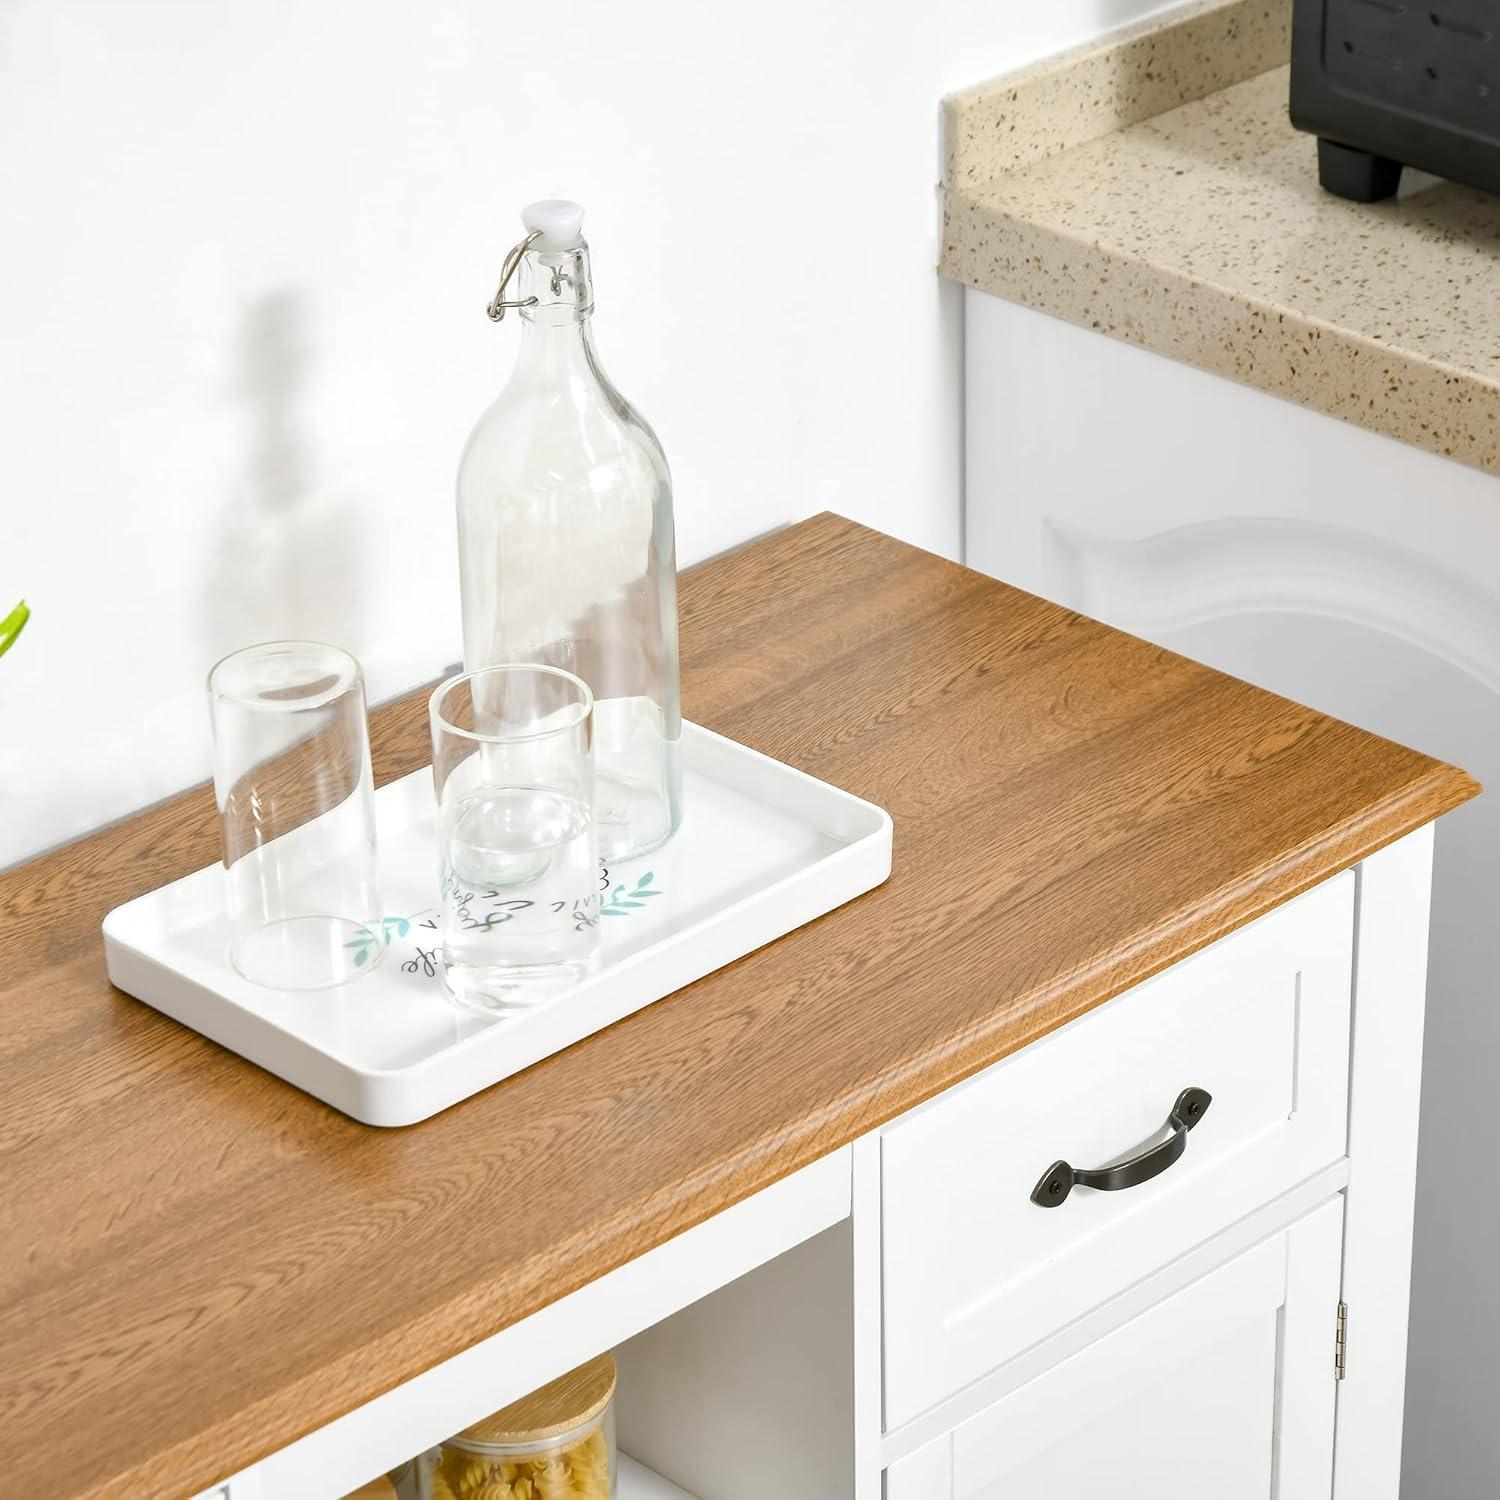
245 251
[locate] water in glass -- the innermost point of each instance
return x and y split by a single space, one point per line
513 762
520 884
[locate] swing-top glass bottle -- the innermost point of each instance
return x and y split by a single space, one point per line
566 548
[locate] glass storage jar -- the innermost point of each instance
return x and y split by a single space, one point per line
556 1444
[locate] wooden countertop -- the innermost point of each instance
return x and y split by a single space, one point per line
201 1264
1150 186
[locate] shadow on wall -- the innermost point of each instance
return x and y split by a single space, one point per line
288 556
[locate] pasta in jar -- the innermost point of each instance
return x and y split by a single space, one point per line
556 1444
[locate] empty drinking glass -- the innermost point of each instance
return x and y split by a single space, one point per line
513 767
295 794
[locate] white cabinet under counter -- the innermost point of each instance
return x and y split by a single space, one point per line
1151 934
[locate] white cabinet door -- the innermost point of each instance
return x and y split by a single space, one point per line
1226 1387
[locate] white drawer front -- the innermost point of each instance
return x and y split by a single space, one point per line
974 1272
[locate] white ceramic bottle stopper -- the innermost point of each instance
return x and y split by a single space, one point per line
557 223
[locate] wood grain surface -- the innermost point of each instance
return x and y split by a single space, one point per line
199 1264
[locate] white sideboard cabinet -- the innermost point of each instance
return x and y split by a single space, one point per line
903 1318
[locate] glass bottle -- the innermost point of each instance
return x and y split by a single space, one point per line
566 547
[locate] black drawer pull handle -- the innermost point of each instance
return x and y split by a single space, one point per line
1060 1179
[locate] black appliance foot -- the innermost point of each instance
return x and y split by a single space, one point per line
1358 175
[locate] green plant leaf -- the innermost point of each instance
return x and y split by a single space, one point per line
12 625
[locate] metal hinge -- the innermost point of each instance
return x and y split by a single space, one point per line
1341 1344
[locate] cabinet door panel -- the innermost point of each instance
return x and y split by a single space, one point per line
926 1474
1226 1386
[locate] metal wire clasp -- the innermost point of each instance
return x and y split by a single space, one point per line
499 302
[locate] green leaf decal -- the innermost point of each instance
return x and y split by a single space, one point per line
624 898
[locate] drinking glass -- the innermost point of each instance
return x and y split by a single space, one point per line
513 768
295 793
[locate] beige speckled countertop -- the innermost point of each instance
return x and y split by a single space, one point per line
1151 187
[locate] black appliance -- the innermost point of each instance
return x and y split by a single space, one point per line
1386 83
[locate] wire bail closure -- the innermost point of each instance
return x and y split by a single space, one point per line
499 302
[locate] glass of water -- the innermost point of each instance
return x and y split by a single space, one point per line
295 794
513 767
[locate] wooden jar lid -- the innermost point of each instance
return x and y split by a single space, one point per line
558 1407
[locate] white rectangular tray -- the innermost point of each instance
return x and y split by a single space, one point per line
762 849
